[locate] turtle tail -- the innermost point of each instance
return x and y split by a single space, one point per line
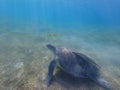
103 83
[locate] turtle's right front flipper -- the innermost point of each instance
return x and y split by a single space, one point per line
50 71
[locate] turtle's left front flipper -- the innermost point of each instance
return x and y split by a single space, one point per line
50 71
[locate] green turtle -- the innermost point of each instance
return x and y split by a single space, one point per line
75 64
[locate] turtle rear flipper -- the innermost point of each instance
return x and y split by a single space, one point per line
103 83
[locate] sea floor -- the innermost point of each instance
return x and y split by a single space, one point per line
24 58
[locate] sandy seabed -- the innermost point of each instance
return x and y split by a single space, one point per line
24 59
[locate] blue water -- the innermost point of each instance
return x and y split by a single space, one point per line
26 26
62 13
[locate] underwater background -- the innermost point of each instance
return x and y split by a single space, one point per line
91 27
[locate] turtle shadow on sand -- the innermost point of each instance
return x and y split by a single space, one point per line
67 81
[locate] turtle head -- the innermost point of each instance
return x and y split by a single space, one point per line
51 47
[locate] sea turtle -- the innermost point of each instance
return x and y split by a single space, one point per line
75 64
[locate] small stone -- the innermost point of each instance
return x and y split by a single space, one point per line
43 76
19 65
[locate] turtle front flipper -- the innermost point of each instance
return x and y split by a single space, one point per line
50 71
